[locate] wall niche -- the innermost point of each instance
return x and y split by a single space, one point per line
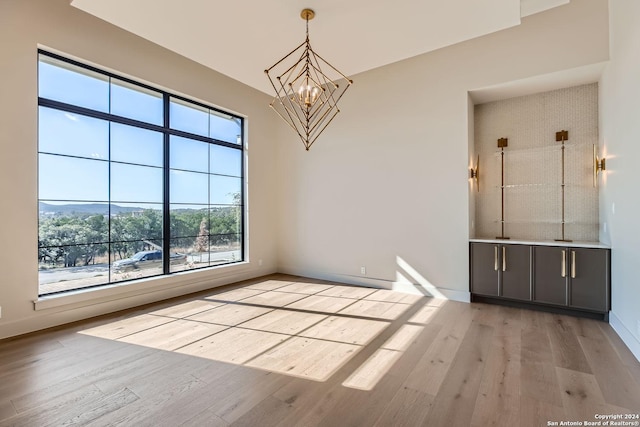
530 204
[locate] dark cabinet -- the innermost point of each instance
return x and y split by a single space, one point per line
484 269
550 275
501 270
575 278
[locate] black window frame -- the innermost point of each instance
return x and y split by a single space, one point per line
167 132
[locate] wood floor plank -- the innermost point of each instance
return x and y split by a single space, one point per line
137 412
57 410
430 371
126 326
342 291
454 403
614 379
269 285
408 408
234 345
243 399
274 298
224 383
536 413
284 321
305 288
567 352
499 393
322 304
6 409
230 314
173 335
581 395
619 347
185 309
265 413
75 376
376 309
345 329
538 379
233 295
393 296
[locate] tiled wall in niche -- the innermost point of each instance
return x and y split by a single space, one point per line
533 165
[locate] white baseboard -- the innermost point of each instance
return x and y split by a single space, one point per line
406 287
625 334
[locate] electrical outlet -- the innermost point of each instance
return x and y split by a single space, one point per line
0 312
259 262
363 270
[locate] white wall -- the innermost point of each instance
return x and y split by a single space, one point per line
620 135
386 186
24 25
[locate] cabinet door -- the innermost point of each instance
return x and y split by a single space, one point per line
515 266
549 285
589 285
484 273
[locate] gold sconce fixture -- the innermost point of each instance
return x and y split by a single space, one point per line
307 89
474 173
599 165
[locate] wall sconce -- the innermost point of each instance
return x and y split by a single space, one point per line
599 165
474 173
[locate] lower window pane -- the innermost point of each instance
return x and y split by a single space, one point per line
224 248
187 253
135 259
63 268
189 220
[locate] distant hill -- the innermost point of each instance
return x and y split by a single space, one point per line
88 208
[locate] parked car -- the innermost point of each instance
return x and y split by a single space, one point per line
145 260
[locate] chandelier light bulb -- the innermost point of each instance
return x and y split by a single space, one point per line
308 95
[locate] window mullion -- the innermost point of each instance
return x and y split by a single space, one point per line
166 211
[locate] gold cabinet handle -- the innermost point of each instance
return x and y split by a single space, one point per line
504 258
495 258
564 263
573 264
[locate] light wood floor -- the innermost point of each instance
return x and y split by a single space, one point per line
286 351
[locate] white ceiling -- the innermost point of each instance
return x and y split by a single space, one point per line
242 38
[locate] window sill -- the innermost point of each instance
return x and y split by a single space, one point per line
112 292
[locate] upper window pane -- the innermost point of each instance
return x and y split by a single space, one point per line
135 102
225 160
189 154
189 117
130 144
69 178
224 190
136 183
189 187
225 127
67 83
72 134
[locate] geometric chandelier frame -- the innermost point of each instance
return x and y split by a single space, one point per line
307 89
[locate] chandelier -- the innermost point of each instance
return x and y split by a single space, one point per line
307 89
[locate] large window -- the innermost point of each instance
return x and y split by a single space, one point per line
133 181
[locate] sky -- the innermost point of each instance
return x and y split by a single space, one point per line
201 173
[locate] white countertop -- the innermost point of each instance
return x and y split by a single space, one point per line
575 244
